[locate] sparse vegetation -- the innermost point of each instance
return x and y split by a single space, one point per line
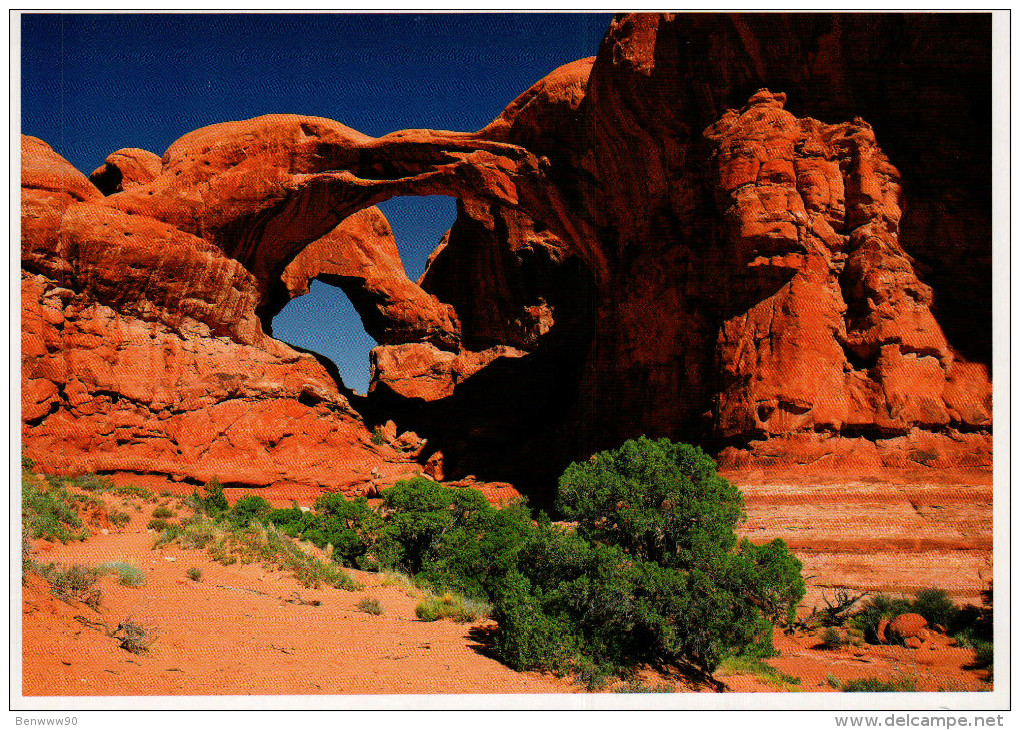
162 512
451 606
74 582
831 639
194 574
127 574
228 543
378 437
635 686
370 605
119 519
51 513
875 684
753 665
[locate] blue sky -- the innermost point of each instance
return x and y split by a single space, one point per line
93 83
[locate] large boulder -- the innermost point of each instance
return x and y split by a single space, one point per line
125 169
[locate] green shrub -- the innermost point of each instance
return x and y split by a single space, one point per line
636 686
653 574
119 519
194 574
51 514
370 605
212 502
936 606
879 607
831 639
128 575
350 526
378 437
158 525
162 512
27 463
450 606
875 684
447 537
249 508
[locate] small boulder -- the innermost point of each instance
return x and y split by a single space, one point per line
905 627
434 466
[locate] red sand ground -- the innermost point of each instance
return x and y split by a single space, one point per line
235 632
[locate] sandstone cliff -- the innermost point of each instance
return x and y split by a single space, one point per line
646 242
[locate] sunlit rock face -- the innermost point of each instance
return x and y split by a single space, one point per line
662 240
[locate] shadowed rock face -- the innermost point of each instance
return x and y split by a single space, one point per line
630 256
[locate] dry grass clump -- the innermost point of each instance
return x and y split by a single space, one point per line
451 606
228 544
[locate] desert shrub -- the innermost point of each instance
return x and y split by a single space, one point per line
75 582
194 574
754 666
133 637
637 686
51 513
447 537
350 526
213 502
876 684
936 606
879 607
162 512
653 574
27 463
157 524
370 605
378 437
127 574
248 508
450 606
831 639
119 519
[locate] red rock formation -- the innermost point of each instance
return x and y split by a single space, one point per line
360 256
849 343
910 629
760 295
615 269
125 169
141 353
424 372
